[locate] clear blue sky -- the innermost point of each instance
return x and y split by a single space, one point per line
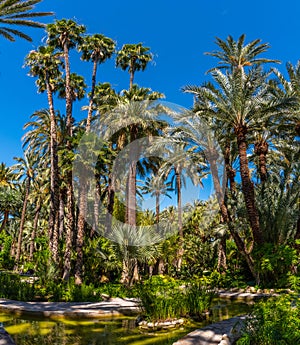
178 33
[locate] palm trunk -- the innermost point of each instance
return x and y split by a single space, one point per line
70 223
35 225
157 194
180 228
247 187
110 202
131 207
54 181
22 221
5 220
80 233
91 101
69 234
227 218
261 150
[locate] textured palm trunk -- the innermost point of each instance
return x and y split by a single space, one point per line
157 194
248 187
70 220
5 220
226 218
180 228
54 181
22 221
261 150
69 234
34 230
230 171
222 260
131 207
81 232
91 100
110 202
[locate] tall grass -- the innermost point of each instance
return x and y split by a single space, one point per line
165 299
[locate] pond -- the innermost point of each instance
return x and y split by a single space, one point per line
123 331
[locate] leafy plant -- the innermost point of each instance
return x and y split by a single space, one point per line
274 322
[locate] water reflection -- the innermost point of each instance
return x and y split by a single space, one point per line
29 331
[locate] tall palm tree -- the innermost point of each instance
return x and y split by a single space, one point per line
25 168
243 102
133 57
17 12
65 35
180 162
238 55
156 187
96 48
45 64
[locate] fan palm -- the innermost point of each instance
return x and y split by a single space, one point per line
97 48
133 57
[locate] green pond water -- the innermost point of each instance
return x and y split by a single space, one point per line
123 331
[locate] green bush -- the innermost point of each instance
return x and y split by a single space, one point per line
12 287
163 298
274 322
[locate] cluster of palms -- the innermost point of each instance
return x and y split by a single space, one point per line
250 117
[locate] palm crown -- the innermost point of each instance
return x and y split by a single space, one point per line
16 12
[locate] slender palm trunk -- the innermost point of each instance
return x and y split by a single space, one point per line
180 228
157 195
54 181
80 232
83 193
110 202
5 220
22 221
70 222
34 230
247 187
91 100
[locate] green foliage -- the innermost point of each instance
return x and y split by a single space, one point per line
6 261
275 322
15 287
163 298
274 264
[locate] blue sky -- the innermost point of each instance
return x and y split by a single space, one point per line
178 33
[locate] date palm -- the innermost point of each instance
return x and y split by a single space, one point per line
17 12
133 57
238 55
243 103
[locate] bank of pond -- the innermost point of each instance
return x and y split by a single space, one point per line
110 331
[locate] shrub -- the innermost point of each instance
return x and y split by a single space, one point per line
274 322
164 298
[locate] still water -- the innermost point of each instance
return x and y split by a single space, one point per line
123 331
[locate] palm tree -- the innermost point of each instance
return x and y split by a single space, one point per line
65 35
45 64
17 12
238 55
25 168
242 102
180 161
156 187
133 57
97 48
